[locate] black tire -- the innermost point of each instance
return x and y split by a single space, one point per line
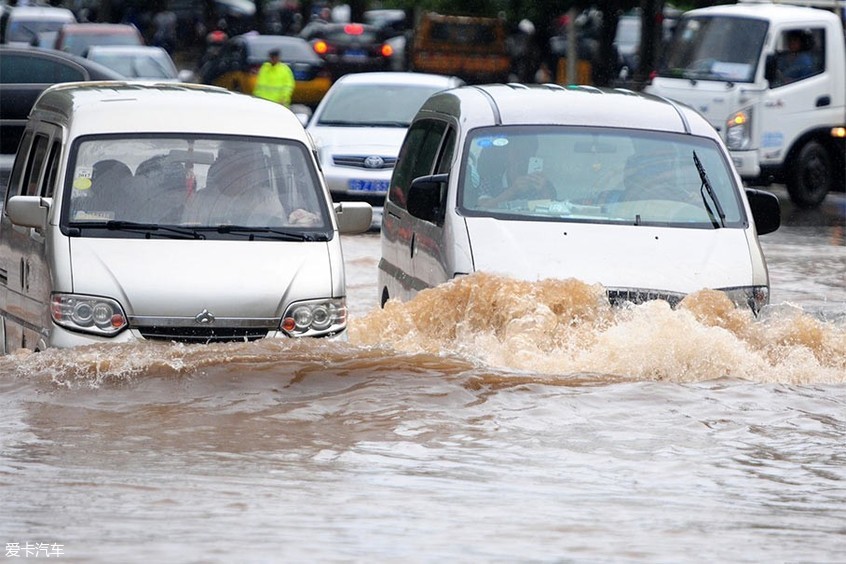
810 176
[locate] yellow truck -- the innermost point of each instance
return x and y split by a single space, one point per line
471 48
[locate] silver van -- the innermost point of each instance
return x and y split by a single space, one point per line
171 212
610 187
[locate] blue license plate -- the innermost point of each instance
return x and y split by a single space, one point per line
368 185
355 54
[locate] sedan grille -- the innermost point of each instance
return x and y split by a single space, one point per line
364 161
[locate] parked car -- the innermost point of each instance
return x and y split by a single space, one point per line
25 72
610 187
349 47
360 124
235 66
77 38
143 62
33 25
130 215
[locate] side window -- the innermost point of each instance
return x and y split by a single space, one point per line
447 153
801 53
48 187
32 176
14 186
37 70
417 157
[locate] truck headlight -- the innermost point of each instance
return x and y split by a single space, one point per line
739 130
88 314
315 318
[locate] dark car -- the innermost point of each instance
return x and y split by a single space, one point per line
235 66
25 72
349 47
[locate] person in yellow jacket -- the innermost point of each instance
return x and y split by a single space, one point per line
275 80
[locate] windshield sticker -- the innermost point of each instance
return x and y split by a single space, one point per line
82 179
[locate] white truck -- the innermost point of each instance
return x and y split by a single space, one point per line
771 79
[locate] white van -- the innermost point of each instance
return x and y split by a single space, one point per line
630 191
168 211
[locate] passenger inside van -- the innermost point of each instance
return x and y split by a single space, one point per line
508 170
238 190
103 195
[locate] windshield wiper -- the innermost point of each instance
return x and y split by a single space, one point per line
706 187
149 228
271 233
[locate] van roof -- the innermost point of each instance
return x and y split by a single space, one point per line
551 104
119 107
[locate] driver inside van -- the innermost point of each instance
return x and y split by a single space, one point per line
238 190
508 171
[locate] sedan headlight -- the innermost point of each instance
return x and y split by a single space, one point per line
315 318
88 314
739 130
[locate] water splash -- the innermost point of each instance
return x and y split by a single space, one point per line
566 327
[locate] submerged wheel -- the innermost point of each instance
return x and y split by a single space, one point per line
810 176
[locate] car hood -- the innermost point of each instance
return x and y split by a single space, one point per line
638 257
178 278
382 141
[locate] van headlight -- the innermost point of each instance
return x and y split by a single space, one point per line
88 314
753 297
739 130
315 318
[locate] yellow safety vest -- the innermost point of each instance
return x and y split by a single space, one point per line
275 83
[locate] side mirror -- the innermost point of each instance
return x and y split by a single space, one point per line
29 211
353 217
424 197
766 210
771 70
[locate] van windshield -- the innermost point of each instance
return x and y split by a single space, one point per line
721 48
219 187
598 175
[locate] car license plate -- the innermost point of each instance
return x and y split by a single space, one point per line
368 185
355 55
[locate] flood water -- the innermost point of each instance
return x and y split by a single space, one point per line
486 421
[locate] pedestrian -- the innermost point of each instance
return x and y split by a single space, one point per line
275 80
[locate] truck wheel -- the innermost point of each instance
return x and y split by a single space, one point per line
810 175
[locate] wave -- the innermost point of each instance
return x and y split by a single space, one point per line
498 330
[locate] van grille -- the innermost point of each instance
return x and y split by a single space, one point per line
202 334
620 296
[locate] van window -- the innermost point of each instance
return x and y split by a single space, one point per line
48 187
37 70
32 176
14 187
221 187
417 157
597 175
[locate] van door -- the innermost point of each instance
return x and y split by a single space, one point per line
11 323
23 254
417 158
435 243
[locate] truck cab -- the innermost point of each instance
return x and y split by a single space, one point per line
771 79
